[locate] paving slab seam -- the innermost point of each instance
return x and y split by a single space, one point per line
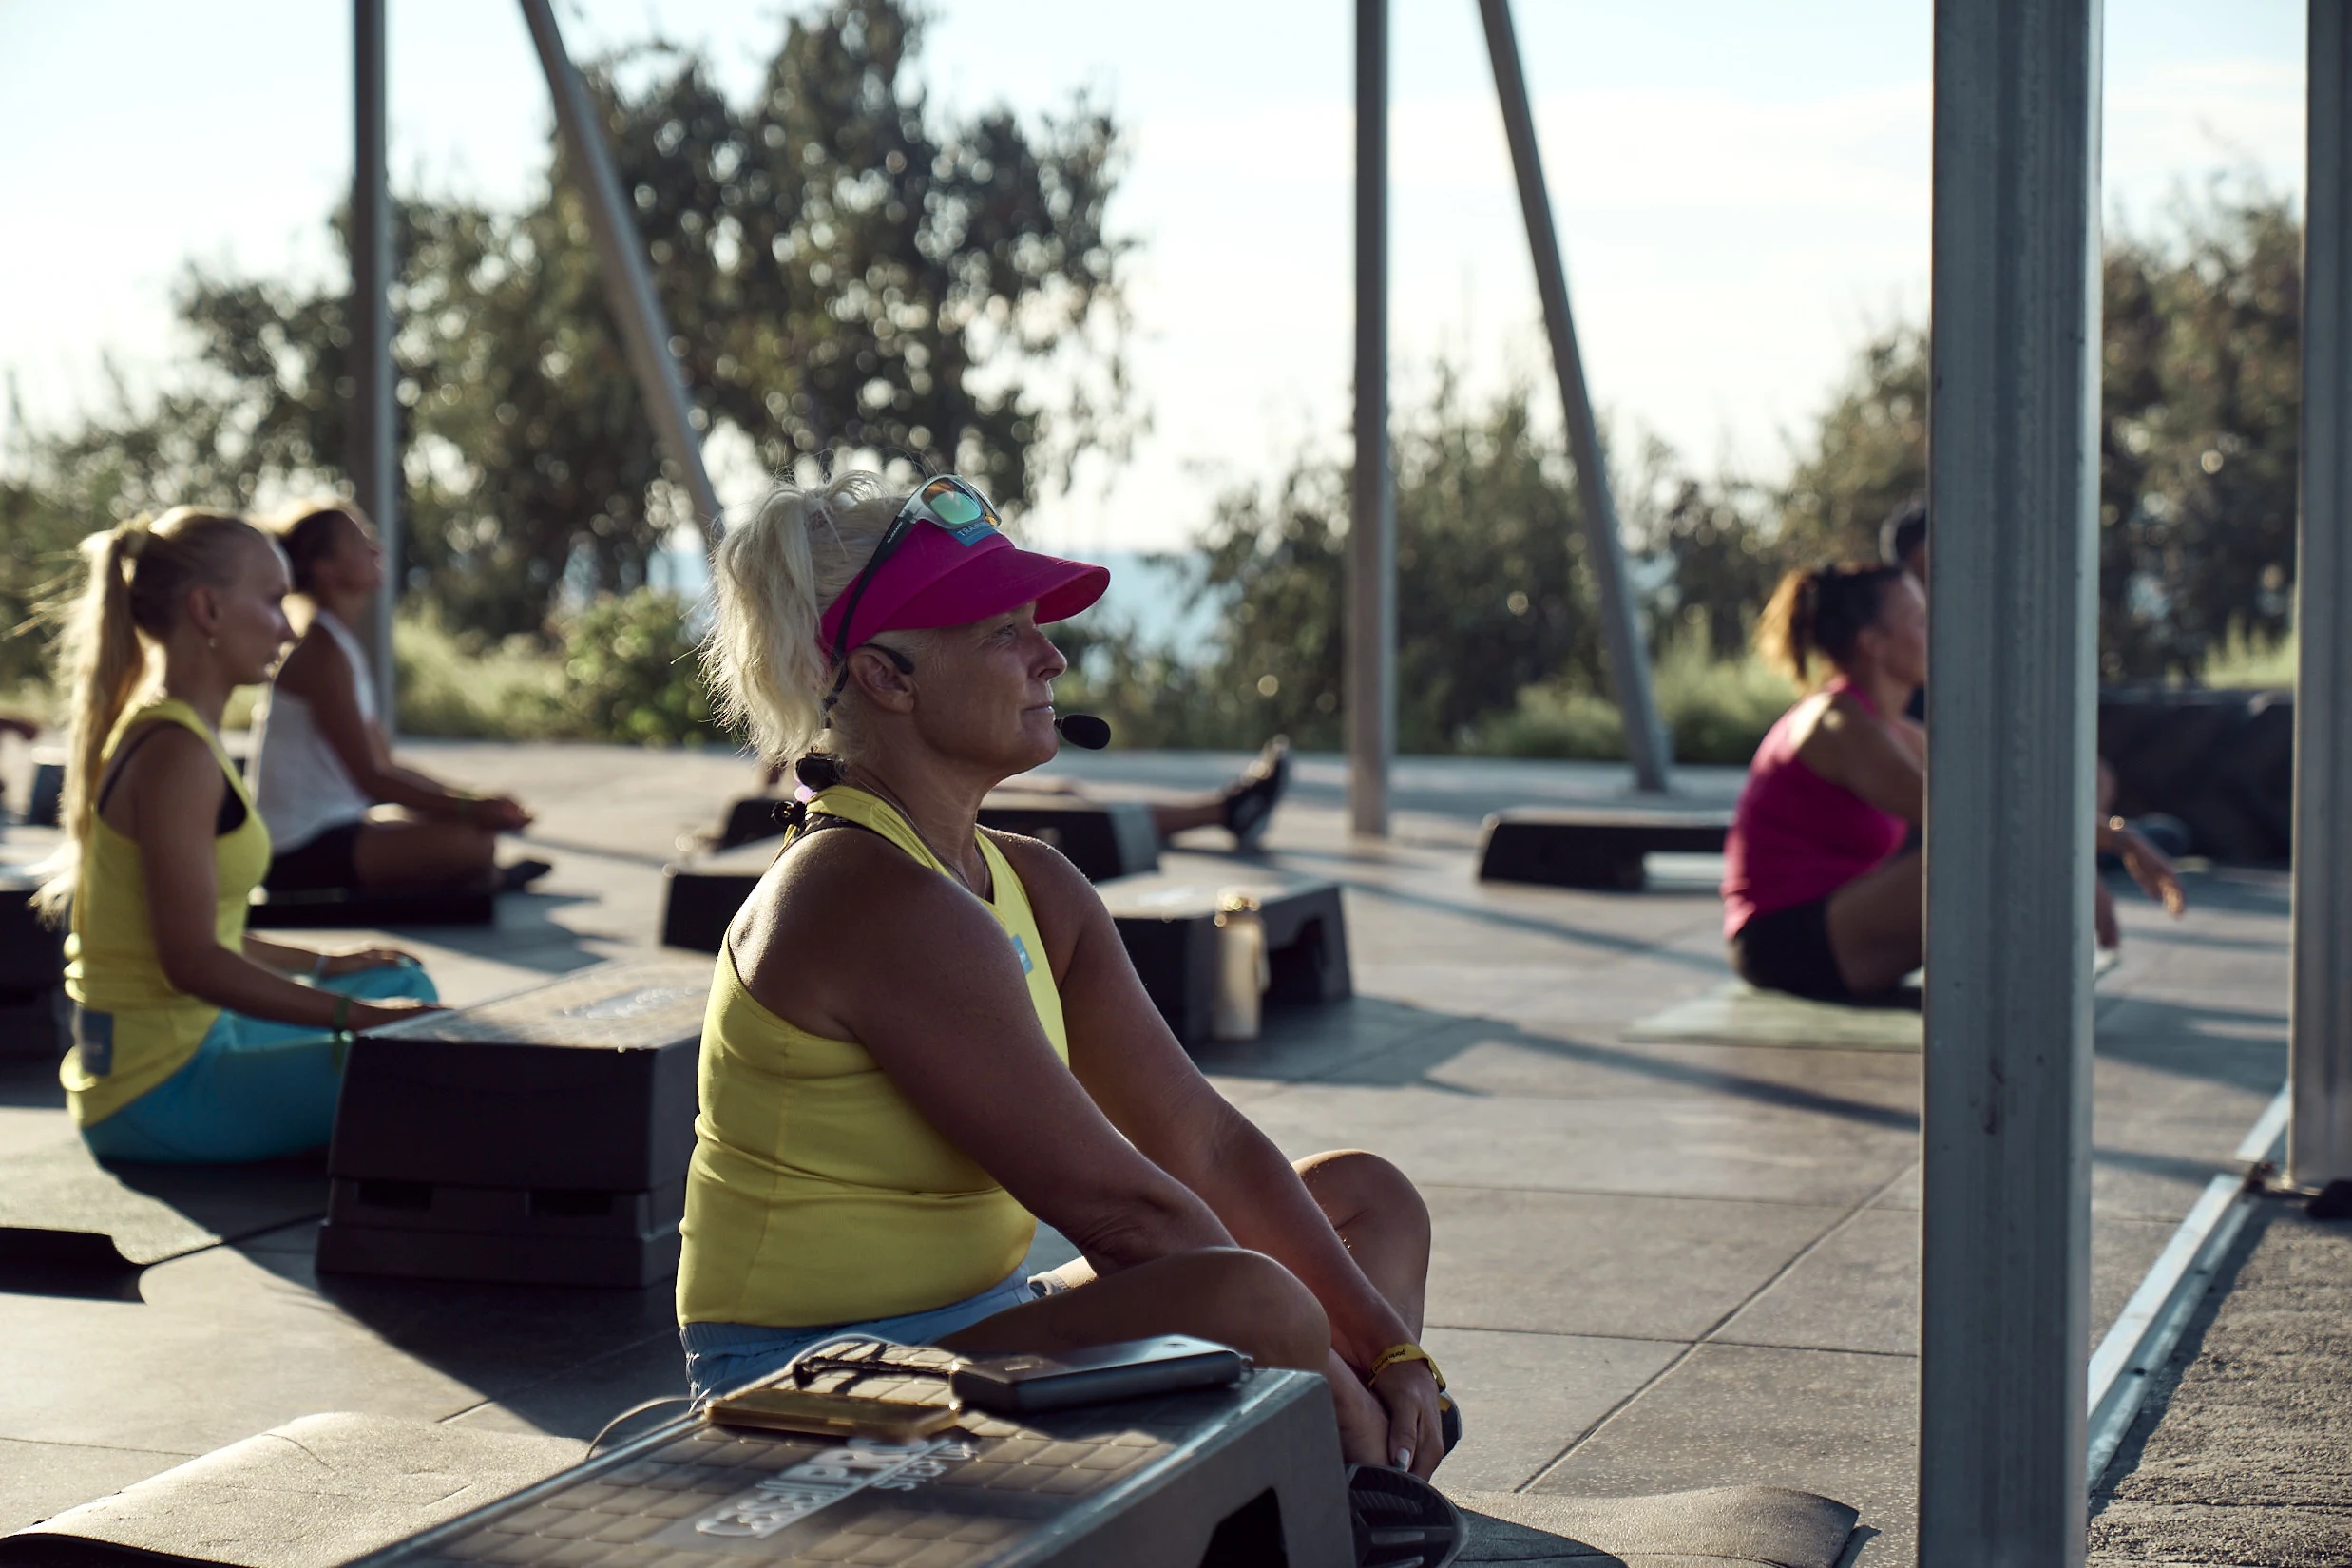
1672 1198
1709 1334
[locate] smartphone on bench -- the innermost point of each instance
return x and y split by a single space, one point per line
1028 1382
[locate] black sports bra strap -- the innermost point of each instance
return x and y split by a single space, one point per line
227 820
122 760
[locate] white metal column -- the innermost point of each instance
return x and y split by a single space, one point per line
1371 575
373 457
1629 655
2012 486
620 256
2318 1148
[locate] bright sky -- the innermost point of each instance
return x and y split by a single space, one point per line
1741 189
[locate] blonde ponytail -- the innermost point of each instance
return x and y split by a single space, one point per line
771 580
139 576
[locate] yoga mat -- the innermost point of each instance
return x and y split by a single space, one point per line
1748 1526
59 1207
1740 1015
311 1494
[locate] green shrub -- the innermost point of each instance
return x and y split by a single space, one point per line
2248 658
630 672
1715 709
469 687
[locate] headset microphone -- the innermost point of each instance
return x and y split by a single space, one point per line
1084 730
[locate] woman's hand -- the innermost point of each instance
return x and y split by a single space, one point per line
351 960
498 813
1393 1424
1408 1392
2150 869
375 1015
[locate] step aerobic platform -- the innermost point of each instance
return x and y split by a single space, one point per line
349 909
33 973
1594 846
541 1139
1167 922
1103 840
1224 1477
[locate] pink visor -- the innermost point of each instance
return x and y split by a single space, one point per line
933 580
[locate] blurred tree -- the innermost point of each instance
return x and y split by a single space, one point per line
843 266
2199 446
1492 593
2202 432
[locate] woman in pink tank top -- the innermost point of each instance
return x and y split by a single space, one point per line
1824 875
1820 895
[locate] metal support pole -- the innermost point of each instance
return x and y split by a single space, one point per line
374 453
1373 510
2319 1144
2012 484
621 253
1629 657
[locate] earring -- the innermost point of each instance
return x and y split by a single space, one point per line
212 642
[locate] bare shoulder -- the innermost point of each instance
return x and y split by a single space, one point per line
170 778
1828 730
1060 895
841 911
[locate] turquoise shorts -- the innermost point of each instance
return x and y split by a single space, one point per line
722 1357
253 1089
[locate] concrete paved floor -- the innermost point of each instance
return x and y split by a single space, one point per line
2241 1454
1658 1266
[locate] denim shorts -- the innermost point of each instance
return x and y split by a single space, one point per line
721 1357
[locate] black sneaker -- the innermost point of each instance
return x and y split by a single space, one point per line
1400 1521
1249 804
521 874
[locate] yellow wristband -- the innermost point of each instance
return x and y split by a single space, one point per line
1408 1352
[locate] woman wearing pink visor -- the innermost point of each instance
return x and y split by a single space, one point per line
922 1034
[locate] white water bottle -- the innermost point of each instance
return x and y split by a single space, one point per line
1243 970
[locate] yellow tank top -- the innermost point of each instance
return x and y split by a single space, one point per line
110 965
817 1194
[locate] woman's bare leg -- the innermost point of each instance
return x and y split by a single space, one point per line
1380 1218
1246 1300
1239 1298
1878 924
413 852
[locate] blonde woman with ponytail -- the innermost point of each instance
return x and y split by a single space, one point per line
194 1042
925 1037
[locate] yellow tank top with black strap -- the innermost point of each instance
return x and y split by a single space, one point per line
817 1193
137 1030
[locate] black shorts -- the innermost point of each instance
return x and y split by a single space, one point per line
1788 950
324 860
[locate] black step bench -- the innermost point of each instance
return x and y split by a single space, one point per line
1103 840
33 973
541 1138
1249 1474
1594 846
354 908
1167 922
702 893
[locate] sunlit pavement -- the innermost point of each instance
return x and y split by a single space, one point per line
1657 1266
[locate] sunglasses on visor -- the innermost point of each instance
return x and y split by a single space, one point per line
952 505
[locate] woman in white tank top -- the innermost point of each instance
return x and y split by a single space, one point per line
323 764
